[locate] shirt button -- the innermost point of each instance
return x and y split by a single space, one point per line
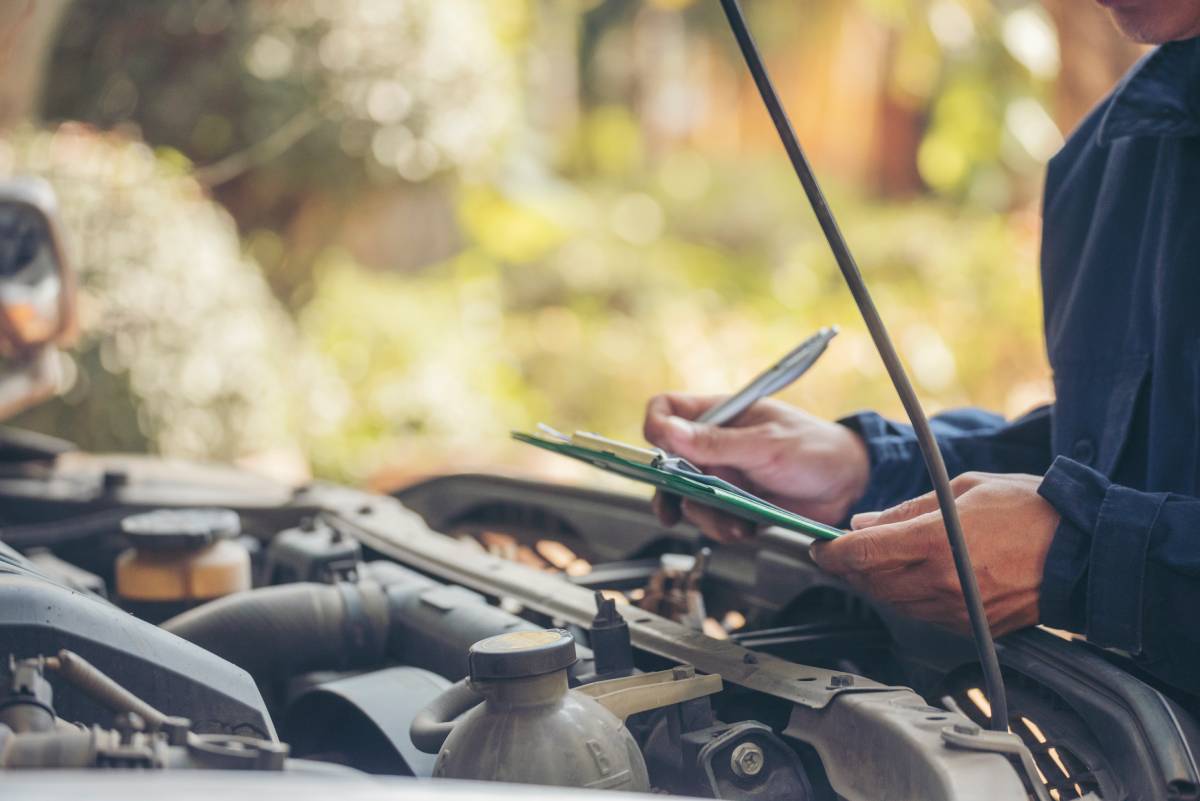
1083 451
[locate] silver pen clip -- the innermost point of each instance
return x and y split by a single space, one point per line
775 378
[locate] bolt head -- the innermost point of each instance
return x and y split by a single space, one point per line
176 729
746 760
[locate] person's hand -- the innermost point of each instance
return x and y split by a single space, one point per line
901 556
779 453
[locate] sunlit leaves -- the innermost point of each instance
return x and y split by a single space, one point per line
622 250
442 363
1029 34
507 229
611 140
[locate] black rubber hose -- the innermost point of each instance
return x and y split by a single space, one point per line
60 532
396 616
276 632
433 724
986 647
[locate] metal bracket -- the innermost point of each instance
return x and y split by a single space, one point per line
973 738
390 529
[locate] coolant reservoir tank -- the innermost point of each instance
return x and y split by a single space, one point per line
179 558
531 729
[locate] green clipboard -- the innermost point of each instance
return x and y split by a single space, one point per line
744 506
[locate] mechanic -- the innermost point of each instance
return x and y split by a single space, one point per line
1084 514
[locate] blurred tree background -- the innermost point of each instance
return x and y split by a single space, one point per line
369 237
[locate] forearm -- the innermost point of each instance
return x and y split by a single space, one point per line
1124 569
969 439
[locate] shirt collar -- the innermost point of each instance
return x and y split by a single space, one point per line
1159 97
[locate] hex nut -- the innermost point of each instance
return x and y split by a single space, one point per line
746 760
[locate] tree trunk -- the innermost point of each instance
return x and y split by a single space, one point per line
1094 57
27 30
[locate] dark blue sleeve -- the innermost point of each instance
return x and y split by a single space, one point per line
1124 569
970 439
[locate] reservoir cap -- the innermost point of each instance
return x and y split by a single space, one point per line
168 529
521 654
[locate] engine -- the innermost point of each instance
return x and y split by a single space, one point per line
165 616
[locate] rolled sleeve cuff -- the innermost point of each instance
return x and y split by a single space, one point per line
893 453
1096 566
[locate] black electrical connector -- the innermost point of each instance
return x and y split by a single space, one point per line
611 646
993 680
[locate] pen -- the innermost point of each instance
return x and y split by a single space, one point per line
776 377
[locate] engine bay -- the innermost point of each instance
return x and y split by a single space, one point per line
162 615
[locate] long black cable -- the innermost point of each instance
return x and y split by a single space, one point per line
993 681
60 532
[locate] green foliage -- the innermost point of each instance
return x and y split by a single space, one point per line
442 364
595 261
976 65
395 90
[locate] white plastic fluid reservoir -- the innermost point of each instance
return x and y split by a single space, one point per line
532 729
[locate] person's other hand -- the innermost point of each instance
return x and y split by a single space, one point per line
901 556
781 454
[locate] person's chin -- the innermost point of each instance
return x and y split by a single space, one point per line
1142 22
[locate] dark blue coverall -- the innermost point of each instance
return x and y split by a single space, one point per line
1120 446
